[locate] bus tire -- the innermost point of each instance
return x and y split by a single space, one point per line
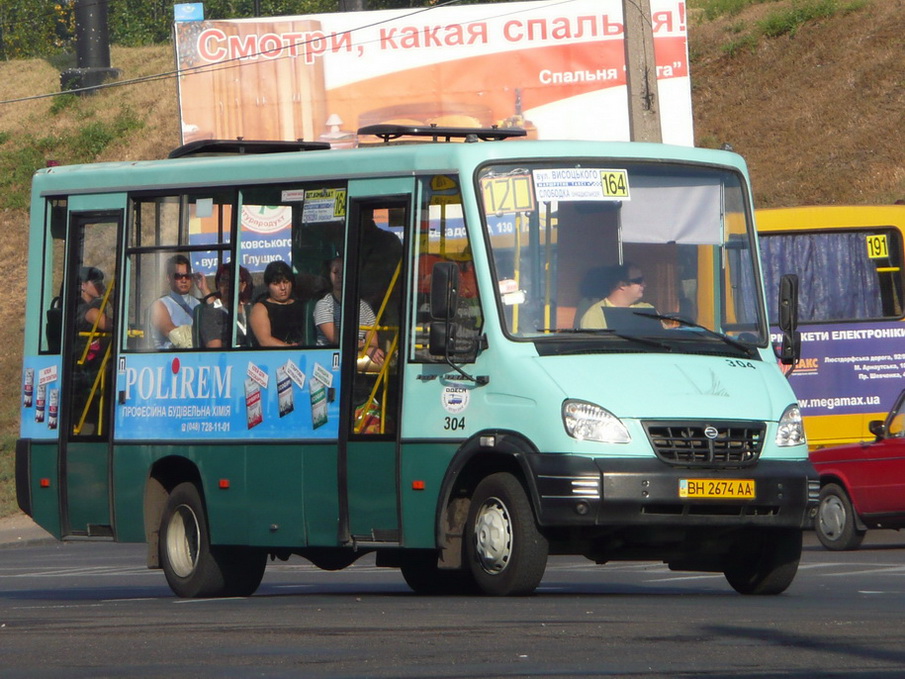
194 569
764 561
504 549
835 524
422 574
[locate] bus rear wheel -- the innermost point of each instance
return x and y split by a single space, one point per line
764 561
192 567
504 549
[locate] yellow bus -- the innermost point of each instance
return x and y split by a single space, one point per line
849 263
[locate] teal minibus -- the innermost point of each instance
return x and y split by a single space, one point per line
456 351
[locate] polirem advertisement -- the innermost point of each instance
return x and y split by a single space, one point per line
553 68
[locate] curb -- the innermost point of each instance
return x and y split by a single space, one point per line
19 530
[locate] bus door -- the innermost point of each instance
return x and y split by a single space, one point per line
85 410
371 337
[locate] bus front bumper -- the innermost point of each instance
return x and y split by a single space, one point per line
576 491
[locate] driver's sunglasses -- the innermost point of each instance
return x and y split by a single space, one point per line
182 276
637 281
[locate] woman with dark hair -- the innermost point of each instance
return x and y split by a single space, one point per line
214 329
278 320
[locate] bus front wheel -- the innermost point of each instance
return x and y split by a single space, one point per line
504 549
192 567
764 561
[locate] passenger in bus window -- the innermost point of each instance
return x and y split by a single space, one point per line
214 330
171 315
93 324
626 288
328 314
278 319
91 292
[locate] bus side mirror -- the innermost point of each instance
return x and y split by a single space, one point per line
444 291
788 320
444 299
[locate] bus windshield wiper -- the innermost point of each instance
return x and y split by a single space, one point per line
741 346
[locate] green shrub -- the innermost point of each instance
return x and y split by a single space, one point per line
61 102
714 9
740 44
787 21
80 146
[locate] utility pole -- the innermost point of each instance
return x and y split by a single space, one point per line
92 46
641 72
352 5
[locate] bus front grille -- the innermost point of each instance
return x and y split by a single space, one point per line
707 444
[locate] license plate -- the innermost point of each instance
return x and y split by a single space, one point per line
734 489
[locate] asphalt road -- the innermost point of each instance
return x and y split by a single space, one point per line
93 610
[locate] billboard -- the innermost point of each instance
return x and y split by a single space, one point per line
553 68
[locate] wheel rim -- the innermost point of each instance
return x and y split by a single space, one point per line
493 536
832 517
183 541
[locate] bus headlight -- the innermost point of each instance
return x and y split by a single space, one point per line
588 422
791 430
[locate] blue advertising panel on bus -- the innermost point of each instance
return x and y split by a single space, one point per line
39 414
249 395
849 368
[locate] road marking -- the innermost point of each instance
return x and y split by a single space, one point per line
680 578
890 570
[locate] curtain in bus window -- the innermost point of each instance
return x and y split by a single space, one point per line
741 278
837 280
684 210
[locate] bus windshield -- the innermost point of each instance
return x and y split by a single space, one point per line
623 252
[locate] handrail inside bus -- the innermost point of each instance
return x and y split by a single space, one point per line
211 147
389 132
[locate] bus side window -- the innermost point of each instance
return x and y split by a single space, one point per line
845 275
303 227
443 238
176 244
52 282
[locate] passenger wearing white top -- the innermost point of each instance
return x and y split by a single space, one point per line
171 315
328 314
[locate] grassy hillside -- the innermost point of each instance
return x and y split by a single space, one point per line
811 92
123 123
818 112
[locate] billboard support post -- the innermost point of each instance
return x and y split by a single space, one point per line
641 72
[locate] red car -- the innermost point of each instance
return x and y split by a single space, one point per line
862 485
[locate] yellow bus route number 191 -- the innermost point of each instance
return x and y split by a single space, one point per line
877 246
